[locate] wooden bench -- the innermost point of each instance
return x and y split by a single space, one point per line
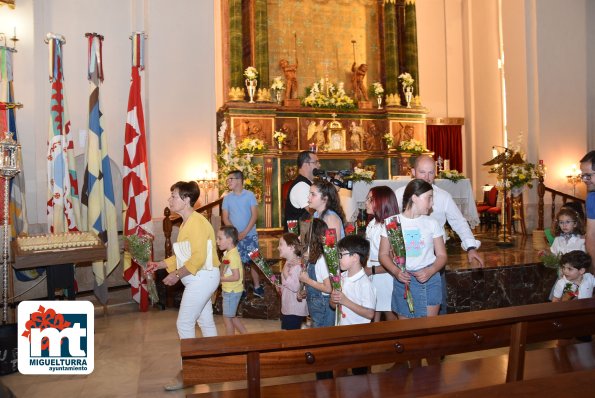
285 353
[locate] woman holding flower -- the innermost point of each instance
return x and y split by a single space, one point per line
425 254
195 263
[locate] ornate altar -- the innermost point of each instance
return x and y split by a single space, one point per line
342 140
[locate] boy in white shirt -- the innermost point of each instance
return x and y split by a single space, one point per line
357 296
576 282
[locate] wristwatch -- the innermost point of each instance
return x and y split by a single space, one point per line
471 248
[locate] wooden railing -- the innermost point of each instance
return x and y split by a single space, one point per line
564 197
172 219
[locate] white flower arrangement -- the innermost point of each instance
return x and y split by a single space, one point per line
406 79
360 174
278 84
413 146
279 136
251 73
388 138
452 175
378 89
324 94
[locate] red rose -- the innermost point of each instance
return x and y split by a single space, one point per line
391 226
330 237
254 254
291 224
226 262
349 229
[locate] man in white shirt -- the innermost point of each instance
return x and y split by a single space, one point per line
444 209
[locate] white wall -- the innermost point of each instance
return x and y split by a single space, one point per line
178 84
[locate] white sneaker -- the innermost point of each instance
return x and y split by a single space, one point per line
174 385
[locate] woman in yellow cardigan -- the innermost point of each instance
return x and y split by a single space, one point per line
194 262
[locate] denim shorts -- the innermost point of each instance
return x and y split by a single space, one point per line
231 300
245 246
424 295
320 311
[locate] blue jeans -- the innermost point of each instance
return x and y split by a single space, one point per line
320 311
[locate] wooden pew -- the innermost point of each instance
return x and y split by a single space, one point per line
252 357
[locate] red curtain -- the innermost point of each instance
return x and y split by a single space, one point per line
446 141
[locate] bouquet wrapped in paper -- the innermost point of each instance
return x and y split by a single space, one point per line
331 256
140 248
261 263
292 226
395 237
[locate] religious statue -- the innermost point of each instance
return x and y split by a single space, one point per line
372 139
290 72
357 79
406 133
316 133
251 130
357 133
291 140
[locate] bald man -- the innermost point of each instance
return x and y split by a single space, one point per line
444 209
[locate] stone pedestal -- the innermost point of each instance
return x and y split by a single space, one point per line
364 104
291 102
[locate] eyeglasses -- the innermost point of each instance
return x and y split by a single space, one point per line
567 222
341 255
233 178
587 176
314 162
369 199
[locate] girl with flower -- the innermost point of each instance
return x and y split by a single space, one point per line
425 254
317 281
381 203
232 279
292 310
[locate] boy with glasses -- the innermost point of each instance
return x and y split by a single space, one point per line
240 210
588 177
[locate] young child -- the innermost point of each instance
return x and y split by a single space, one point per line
576 282
357 296
318 284
569 230
292 310
232 278
425 254
240 209
316 279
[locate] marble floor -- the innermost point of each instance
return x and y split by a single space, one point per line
136 354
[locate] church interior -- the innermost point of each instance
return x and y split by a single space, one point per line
368 85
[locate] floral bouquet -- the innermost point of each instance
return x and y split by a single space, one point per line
140 248
324 94
395 237
251 73
570 292
452 175
279 136
388 138
251 145
261 263
412 146
331 257
406 79
293 227
277 84
361 175
378 89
